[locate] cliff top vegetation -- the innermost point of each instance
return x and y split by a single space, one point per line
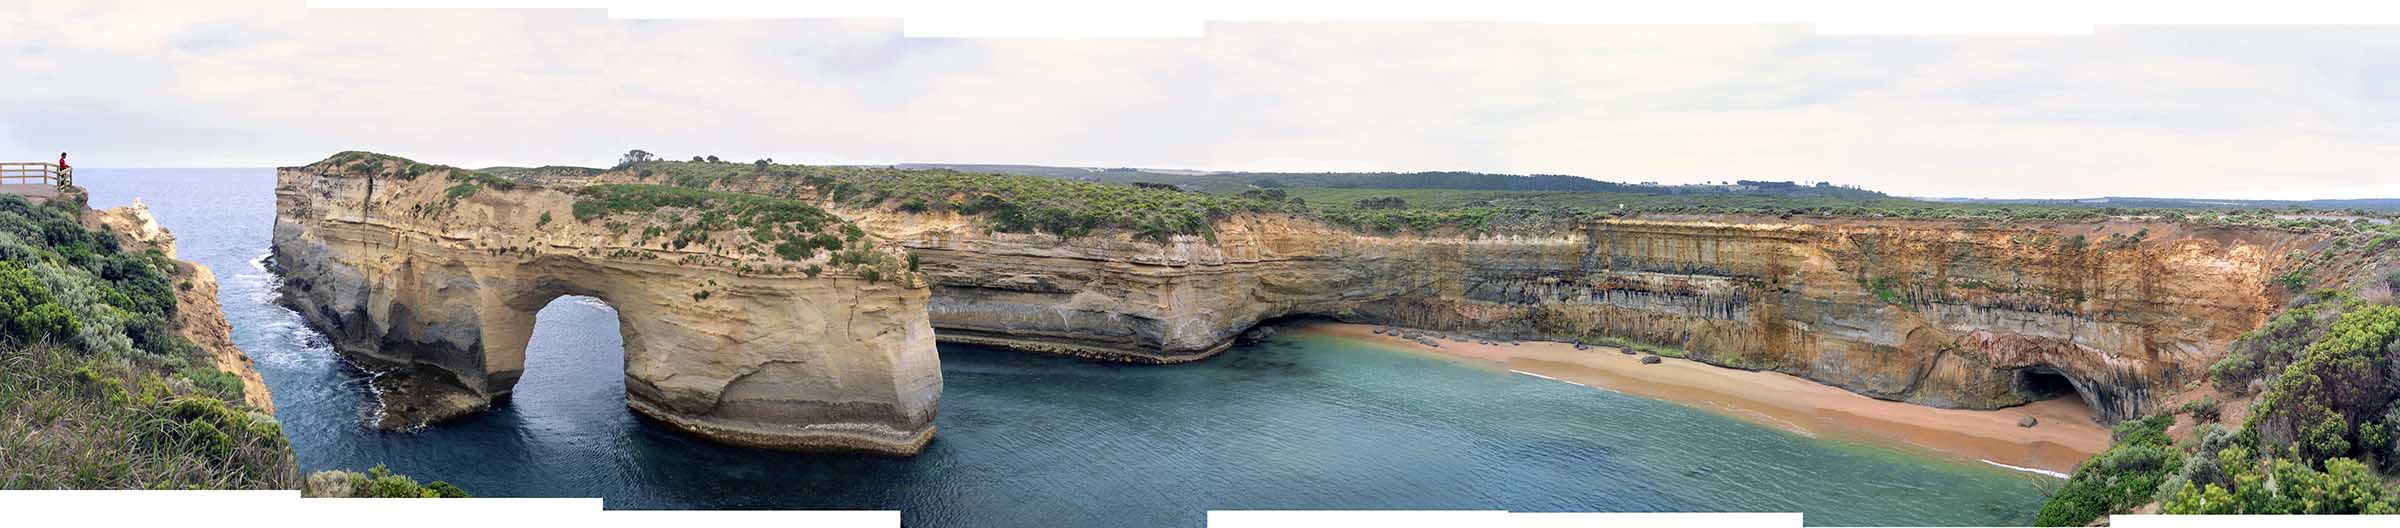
678 216
1157 206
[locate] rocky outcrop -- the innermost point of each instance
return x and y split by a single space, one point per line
1944 313
198 317
435 274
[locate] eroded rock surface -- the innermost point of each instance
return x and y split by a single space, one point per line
435 275
1944 313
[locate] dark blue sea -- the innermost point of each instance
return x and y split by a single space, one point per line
1297 422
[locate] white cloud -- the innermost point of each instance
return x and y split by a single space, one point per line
2273 113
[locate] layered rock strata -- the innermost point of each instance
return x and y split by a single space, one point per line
436 277
1954 313
1944 313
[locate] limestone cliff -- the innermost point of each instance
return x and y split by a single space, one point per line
1944 313
1954 313
437 272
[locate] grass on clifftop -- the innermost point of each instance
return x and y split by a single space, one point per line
788 228
1380 204
1012 203
97 391
1020 203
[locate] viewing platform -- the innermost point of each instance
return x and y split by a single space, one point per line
39 182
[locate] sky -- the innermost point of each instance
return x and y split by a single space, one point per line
2209 112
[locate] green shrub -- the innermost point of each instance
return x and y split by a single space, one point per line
2203 410
377 483
2345 487
2139 458
2310 410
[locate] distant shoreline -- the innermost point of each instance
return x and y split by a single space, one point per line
2065 435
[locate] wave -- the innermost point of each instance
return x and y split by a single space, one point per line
1553 379
2036 471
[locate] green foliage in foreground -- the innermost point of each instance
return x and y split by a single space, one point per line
97 391
2345 487
2139 457
70 419
376 483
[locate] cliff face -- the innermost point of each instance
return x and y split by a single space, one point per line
1951 314
438 276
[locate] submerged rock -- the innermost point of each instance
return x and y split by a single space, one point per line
1259 333
2027 421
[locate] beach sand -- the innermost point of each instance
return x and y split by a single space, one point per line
2065 435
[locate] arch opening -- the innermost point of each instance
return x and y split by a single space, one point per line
574 362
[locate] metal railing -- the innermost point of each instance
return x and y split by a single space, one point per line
36 173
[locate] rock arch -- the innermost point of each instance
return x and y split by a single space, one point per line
728 348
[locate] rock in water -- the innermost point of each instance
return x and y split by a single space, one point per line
1650 360
1581 346
1259 334
2027 421
1625 351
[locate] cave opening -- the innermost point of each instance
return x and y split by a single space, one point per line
2044 383
1270 326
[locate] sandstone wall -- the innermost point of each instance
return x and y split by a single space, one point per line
404 275
1944 313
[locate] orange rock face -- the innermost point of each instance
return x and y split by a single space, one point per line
1943 313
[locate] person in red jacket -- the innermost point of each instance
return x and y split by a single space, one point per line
62 161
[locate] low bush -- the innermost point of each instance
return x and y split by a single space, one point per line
377 483
2139 457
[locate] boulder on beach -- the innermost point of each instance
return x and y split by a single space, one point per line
2027 421
1650 360
1428 342
1581 346
1625 351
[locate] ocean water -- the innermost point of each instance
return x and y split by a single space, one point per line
1298 422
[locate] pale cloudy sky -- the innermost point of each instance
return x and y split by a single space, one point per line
2198 112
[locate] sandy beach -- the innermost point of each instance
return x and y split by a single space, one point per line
2065 435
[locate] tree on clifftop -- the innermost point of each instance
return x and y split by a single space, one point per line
635 157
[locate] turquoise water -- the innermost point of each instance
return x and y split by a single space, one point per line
1298 422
